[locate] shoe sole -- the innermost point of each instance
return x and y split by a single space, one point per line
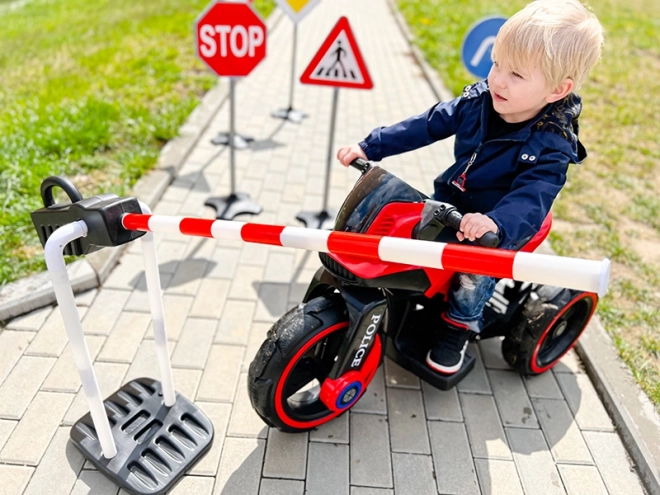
446 370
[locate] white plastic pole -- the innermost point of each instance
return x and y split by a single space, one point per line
157 313
57 268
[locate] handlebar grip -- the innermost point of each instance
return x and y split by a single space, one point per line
489 239
453 220
362 165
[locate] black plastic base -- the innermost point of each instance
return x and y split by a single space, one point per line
241 141
156 444
295 116
227 207
412 343
323 220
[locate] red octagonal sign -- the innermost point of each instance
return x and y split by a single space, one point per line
230 38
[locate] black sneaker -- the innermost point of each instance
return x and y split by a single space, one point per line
447 354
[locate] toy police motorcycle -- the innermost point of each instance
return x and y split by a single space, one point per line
319 358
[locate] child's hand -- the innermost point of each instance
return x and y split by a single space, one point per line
347 154
474 225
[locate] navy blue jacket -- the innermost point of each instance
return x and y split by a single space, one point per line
513 179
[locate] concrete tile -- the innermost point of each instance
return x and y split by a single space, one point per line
476 382
145 362
138 301
220 375
64 375
579 480
511 399
543 386
104 311
240 466
186 382
210 301
254 254
187 277
537 469
441 404
125 338
86 298
176 312
334 431
235 322
6 428
279 267
219 416
361 490
484 428
244 421
126 273
22 384
498 477
373 399
570 363
413 474
245 284
286 455
193 485
272 302
35 430
224 263
327 469
194 343
59 466
12 346
613 463
491 352
31 321
271 486
584 402
561 432
170 254
94 482
396 376
51 340
452 458
407 422
14 479
370 451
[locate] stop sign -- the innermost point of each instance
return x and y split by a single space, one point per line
230 38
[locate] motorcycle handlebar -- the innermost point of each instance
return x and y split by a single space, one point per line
362 165
453 219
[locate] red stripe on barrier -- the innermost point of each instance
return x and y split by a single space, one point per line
484 261
362 245
134 221
262 234
196 226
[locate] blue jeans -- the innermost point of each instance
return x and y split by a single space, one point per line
468 296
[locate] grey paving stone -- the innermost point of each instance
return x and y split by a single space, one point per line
210 301
194 343
12 345
286 455
35 430
327 469
543 386
170 254
254 254
334 431
245 284
187 277
234 327
452 458
511 399
221 372
193 485
584 402
64 375
22 384
138 301
373 399
491 352
370 451
476 382
176 312
413 474
441 404
31 321
272 302
361 490
219 416
279 267
570 363
240 467
613 463
126 273
407 422
51 340
498 477
396 376
484 428
86 298
271 486
224 263
145 362
59 466
537 470
13 479
125 338
561 432
186 382
6 428
104 311
244 421
579 480
94 482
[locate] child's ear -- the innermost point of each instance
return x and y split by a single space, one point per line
561 91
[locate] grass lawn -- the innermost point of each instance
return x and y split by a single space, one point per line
91 90
610 206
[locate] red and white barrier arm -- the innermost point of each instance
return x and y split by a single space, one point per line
572 273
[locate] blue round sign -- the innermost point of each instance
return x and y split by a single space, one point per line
478 44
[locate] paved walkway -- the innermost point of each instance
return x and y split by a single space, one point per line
495 434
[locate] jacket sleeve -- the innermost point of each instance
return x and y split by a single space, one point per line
520 213
438 122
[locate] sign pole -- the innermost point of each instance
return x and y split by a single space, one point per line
289 113
232 138
227 207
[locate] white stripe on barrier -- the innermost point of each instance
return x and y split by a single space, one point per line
224 229
161 223
309 239
426 253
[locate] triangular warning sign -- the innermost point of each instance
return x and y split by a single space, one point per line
338 62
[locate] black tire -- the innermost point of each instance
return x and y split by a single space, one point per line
548 326
298 353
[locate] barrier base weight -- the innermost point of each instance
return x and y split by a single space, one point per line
227 207
156 444
241 141
295 116
323 220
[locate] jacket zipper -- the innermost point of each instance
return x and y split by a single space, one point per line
460 181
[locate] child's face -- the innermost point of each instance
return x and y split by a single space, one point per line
518 94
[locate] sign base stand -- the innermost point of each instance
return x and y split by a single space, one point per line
156 444
241 141
227 207
324 220
295 116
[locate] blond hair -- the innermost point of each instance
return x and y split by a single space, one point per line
563 37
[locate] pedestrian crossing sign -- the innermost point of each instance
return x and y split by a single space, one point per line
338 62
297 9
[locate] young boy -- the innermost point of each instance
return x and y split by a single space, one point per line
516 134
